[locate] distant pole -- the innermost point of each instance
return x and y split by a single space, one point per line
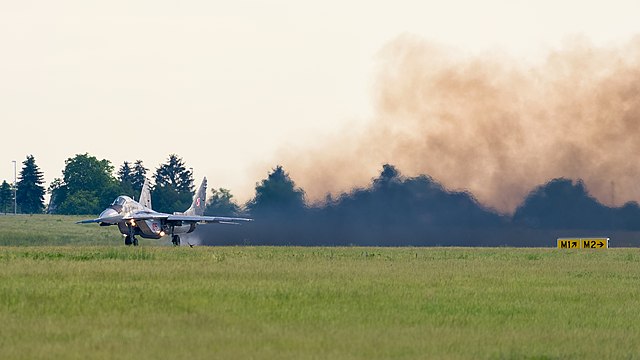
15 188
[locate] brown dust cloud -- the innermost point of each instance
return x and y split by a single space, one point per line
490 124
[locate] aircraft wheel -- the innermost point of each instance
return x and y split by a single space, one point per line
127 240
135 241
175 240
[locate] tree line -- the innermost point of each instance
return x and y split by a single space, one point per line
392 210
88 185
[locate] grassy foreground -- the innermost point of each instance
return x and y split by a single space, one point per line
30 230
318 303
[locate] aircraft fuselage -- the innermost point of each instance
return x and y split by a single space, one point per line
154 229
122 210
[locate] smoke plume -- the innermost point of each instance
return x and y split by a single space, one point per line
492 125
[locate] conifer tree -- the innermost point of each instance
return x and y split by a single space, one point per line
125 175
277 194
6 197
30 189
173 188
125 172
138 176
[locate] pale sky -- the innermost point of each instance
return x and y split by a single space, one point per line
228 84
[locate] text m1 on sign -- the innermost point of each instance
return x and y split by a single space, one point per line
568 243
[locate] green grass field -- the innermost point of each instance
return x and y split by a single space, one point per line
112 301
31 230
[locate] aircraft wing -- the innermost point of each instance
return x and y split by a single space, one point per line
147 215
208 219
116 219
89 221
153 215
106 219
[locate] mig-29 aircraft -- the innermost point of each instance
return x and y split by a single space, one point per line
137 218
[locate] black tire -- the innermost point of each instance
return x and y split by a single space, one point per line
175 240
127 240
135 241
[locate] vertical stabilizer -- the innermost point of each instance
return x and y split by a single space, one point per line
198 204
145 194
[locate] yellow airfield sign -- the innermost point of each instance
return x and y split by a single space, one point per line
568 243
595 243
583 243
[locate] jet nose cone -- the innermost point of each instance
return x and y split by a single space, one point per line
108 214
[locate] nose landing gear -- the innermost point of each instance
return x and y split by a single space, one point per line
175 239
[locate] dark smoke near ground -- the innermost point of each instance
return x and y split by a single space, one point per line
418 211
492 125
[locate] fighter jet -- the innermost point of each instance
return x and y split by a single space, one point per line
137 218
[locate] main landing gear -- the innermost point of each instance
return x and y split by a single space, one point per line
175 239
130 239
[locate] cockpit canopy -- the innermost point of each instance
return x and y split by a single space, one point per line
121 200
